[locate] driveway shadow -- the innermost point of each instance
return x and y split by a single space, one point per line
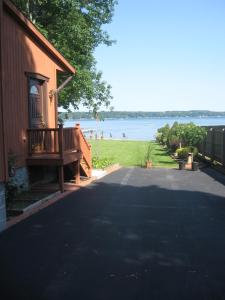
214 174
115 241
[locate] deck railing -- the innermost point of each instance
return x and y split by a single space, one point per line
43 141
70 139
52 140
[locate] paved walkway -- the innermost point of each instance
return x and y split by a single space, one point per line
135 234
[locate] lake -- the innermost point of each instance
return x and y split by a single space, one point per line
136 129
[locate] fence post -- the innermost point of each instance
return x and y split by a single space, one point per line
204 144
212 144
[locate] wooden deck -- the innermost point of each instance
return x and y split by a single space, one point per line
54 159
59 147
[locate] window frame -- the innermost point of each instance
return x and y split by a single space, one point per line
44 80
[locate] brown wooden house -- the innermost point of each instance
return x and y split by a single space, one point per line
31 142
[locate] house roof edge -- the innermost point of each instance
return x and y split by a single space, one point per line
39 36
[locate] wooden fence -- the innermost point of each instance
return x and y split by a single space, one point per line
213 146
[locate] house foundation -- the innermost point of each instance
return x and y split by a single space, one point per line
21 179
2 207
42 174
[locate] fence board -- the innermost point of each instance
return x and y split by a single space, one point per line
213 145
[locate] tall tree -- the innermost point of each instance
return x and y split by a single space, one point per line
75 28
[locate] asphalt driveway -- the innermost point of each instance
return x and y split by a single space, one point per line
136 234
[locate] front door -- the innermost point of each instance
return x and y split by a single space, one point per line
37 106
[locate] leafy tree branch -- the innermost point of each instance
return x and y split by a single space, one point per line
75 27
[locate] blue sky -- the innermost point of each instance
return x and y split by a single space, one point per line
169 55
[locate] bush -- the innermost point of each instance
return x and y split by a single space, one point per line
101 163
183 152
173 143
181 135
11 192
162 134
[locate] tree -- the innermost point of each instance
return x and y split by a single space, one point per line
162 134
181 135
177 134
75 29
193 134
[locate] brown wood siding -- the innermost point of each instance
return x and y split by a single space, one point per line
29 26
2 144
21 54
2 156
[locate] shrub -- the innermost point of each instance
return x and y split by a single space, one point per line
101 163
183 152
11 192
193 134
181 135
162 134
173 143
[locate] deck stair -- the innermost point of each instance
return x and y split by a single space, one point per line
85 169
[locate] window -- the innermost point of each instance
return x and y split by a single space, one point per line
37 100
34 90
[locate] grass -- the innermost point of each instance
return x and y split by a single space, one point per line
131 153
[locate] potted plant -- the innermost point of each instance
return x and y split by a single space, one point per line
148 156
195 166
182 165
36 148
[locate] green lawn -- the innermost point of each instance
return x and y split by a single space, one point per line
130 153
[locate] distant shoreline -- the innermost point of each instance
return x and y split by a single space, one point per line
142 118
127 115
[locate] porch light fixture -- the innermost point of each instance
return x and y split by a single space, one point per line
52 93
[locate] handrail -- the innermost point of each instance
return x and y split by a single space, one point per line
84 146
43 140
84 139
42 129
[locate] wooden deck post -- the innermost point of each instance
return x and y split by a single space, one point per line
77 163
61 144
61 178
77 171
77 136
61 152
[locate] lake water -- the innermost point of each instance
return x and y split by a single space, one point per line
136 129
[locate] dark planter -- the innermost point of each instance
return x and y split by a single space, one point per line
195 166
181 165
